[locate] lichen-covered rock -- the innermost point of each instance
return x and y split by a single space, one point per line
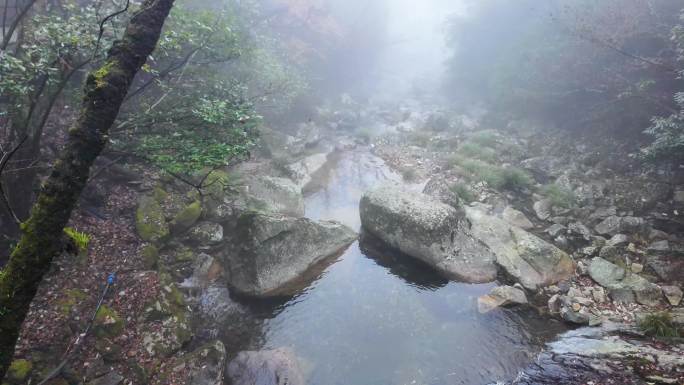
278 195
268 251
167 338
428 230
206 364
605 273
543 209
107 324
615 225
439 189
525 257
206 234
187 217
269 367
150 223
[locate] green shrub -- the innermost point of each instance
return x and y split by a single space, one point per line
496 177
486 138
559 196
659 325
464 192
420 138
477 151
514 178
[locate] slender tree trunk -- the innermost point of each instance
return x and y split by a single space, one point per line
40 242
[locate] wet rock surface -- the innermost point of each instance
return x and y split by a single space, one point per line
268 367
426 229
269 251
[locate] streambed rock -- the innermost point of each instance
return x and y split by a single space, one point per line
302 171
280 195
501 296
428 230
527 258
268 367
269 251
624 287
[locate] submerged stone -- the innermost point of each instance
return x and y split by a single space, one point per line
268 367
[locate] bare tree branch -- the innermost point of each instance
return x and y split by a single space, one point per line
8 36
3 163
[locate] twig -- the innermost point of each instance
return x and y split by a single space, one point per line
3 162
8 36
102 23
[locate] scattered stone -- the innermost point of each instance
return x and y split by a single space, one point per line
267 251
516 218
555 303
636 268
678 197
556 230
111 378
599 294
580 229
659 246
605 273
615 225
268 367
618 240
610 253
501 296
543 209
673 294
428 230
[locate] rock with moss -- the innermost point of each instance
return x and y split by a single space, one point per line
19 371
169 336
69 299
150 223
187 217
267 251
150 256
206 364
108 323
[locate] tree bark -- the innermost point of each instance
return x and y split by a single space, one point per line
40 242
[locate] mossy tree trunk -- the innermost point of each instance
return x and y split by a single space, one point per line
40 241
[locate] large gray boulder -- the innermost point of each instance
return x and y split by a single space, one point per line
525 257
279 195
428 230
268 251
268 367
302 171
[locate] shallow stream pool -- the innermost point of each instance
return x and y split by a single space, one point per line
374 317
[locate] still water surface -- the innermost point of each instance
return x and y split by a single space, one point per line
374 317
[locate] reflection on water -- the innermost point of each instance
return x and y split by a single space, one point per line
377 317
